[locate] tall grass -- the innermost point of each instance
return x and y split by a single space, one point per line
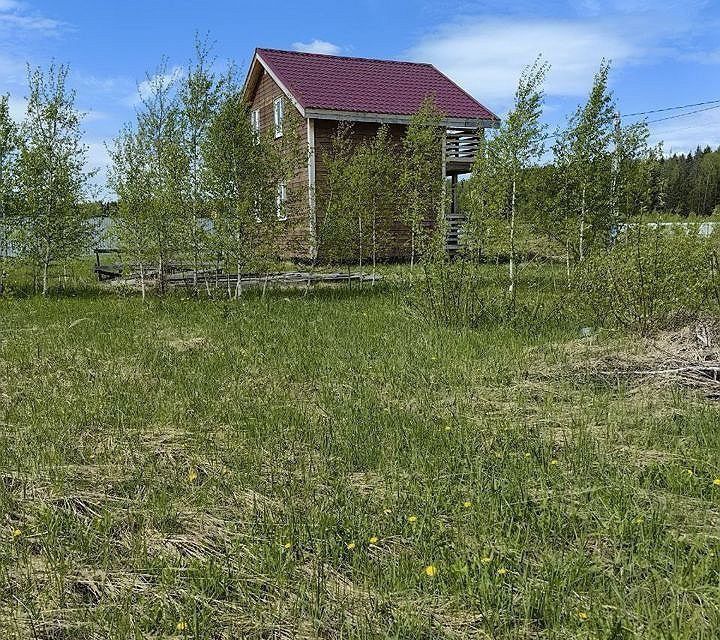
324 465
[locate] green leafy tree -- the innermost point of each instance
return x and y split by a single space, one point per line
51 179
159 167
380 198
374 174
502 165
133 218
8 199
248 175
422 182
336 208
583 159
200 93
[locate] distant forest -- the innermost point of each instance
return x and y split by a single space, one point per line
692 182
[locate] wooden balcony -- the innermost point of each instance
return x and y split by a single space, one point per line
461 147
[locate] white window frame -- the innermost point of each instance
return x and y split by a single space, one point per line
255 121
278 115
280 199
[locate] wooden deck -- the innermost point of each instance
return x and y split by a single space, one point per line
461 147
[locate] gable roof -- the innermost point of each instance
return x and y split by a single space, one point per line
345 86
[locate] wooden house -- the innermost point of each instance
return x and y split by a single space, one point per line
326 90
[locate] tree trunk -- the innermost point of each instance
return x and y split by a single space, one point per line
360 230
142 280
374 250
238 284
581 248
412 248
567 262
161 277
512 245
46 266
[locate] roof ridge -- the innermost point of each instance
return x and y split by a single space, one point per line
337 57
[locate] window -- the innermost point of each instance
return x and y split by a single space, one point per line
279 115
280 202
255 121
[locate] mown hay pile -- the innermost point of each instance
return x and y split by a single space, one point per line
689 357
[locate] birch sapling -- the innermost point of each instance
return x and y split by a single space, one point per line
8 201
503 170
51 179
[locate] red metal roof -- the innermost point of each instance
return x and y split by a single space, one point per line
339 83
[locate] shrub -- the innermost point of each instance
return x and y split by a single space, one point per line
650 276
449 294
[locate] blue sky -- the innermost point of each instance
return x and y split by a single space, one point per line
664 53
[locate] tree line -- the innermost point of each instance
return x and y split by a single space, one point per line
692 182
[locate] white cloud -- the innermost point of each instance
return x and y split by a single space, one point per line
162 79
487 56
18 107
317 46
12 70
16 17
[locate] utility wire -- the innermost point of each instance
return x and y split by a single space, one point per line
715 103
684 106
687 113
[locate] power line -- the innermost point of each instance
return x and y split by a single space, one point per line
716 104
680 115
684 106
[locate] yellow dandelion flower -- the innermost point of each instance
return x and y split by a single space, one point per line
583 615
447 428
181 626
527 455
431 571
387 511
467 504
287 545
412 519
192 475
501 571
350 545
716 482
553 462
689 471
486 560
373 540
16 533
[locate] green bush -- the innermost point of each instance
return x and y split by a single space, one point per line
450 294
651 276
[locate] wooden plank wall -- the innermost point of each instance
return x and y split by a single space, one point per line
398 235
294 243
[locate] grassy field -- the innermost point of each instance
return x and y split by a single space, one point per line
332 466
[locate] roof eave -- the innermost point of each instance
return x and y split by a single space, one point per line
391 118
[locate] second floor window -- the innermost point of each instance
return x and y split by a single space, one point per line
255 121
279 115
